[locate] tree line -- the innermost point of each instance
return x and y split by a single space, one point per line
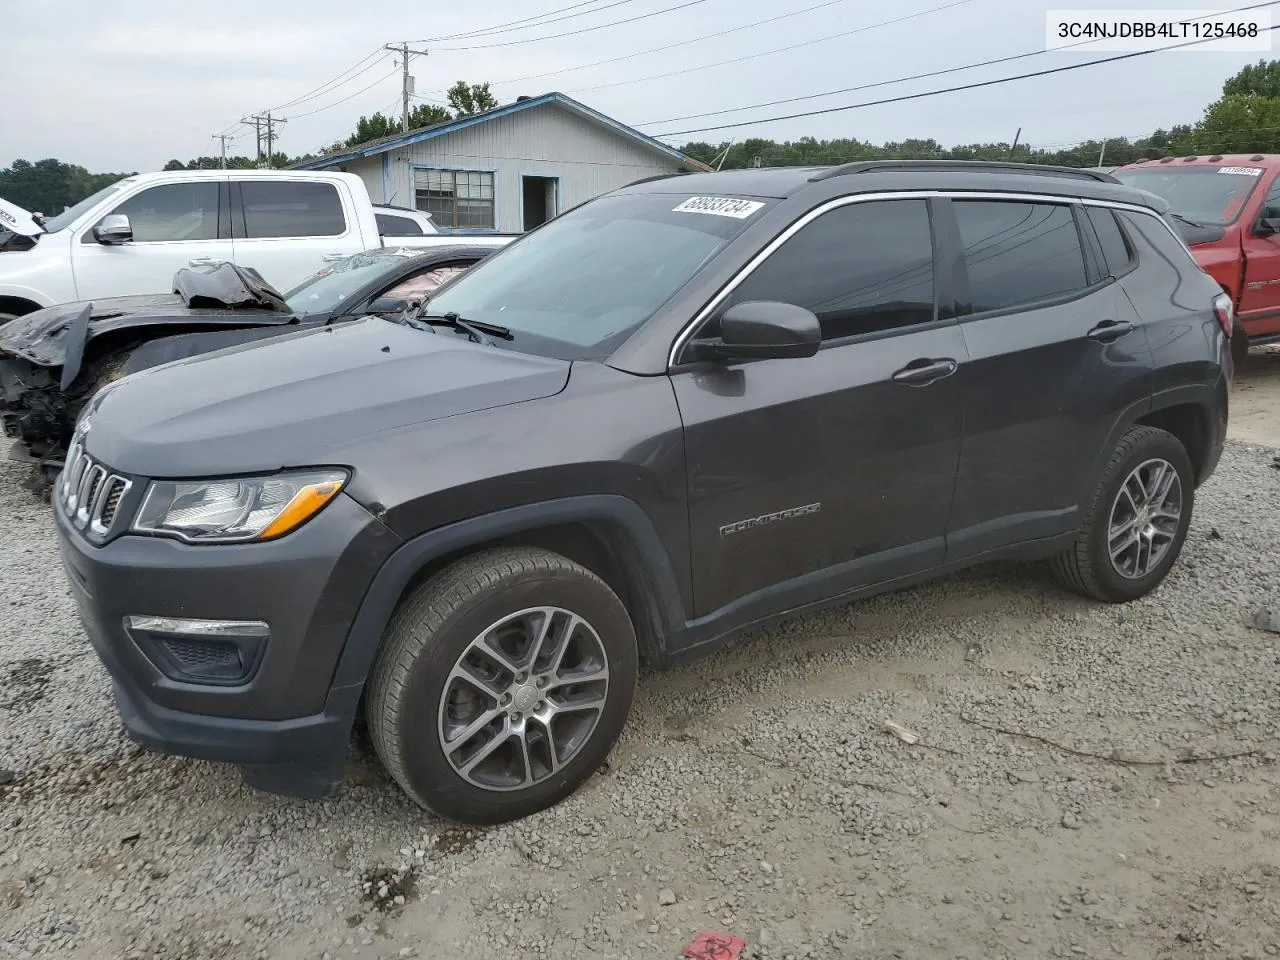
1245 119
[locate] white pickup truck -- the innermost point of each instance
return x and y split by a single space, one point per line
133 236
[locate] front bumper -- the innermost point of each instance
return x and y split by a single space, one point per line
287 726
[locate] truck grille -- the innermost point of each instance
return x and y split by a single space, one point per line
89 493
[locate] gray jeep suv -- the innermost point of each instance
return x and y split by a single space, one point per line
676 412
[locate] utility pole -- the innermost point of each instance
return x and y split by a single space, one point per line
223 137
271 137
1016 137
1102 153
406 81
255 121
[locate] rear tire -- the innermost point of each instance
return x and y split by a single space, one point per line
503 683
1137 521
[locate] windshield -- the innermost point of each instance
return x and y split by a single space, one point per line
323 291
579 286
72 214
1210 195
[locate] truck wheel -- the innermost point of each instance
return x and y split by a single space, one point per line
502 684
1136 524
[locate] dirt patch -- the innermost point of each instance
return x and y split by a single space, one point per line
26 682
386 888
1255 399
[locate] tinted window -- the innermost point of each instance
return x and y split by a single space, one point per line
278 208
390 225
861 268
174 211
1115 249
1019 252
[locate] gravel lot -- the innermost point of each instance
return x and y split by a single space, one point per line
756 792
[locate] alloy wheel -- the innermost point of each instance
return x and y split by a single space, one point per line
1144 518
523 698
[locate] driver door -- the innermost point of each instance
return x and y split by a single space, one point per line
175 224
1259 308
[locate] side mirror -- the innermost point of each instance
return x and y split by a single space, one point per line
1269 223
387 305
114 228
760 330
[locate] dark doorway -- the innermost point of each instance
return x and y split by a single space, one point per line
538 200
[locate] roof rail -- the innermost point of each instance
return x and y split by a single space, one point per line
659 176
1043 170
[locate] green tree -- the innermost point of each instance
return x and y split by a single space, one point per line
50 186
467 100
1239 123
1261 78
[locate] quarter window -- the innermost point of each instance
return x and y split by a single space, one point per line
279 208
390 225
861 268
1018 253
173 211
1115 249
456 198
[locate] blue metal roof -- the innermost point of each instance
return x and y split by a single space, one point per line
375 147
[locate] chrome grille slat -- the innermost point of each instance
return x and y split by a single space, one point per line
89 493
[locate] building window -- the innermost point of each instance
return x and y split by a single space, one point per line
456 198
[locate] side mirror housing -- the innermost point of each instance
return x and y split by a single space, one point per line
1268 225
387 305
762 330
114 228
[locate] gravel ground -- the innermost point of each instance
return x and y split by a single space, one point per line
756 792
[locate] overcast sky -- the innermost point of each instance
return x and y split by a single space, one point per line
127 85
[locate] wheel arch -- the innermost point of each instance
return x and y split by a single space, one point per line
609 534
18 306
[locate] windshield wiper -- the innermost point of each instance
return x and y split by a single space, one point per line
1187 220
476 330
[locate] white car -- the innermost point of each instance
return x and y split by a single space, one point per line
131 238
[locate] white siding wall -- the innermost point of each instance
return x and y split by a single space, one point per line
370 171
545 141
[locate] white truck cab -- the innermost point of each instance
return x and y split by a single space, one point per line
133 236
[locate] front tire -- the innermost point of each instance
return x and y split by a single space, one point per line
502 685
1239 349
1137 522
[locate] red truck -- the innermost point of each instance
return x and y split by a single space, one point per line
1227 207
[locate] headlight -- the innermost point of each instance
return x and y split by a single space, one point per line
228 511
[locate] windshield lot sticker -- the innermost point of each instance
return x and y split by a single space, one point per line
719 207
1242 171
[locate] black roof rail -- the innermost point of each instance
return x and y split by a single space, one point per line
994 166
660 176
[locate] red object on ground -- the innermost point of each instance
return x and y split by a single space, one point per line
715 946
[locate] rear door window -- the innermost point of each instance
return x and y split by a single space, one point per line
280 208
1019 253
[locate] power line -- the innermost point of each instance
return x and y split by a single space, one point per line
668 46
574 33
765 53
501 27
934 93
338 81
526 23
309 113
917 76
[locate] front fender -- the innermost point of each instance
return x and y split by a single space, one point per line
365 634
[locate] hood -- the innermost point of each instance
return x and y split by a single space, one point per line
297 400
16 220
41 336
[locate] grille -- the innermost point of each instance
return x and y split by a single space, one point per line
196 656
89 493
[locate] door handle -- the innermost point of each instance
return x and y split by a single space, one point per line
333 257
925 371
1109 331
